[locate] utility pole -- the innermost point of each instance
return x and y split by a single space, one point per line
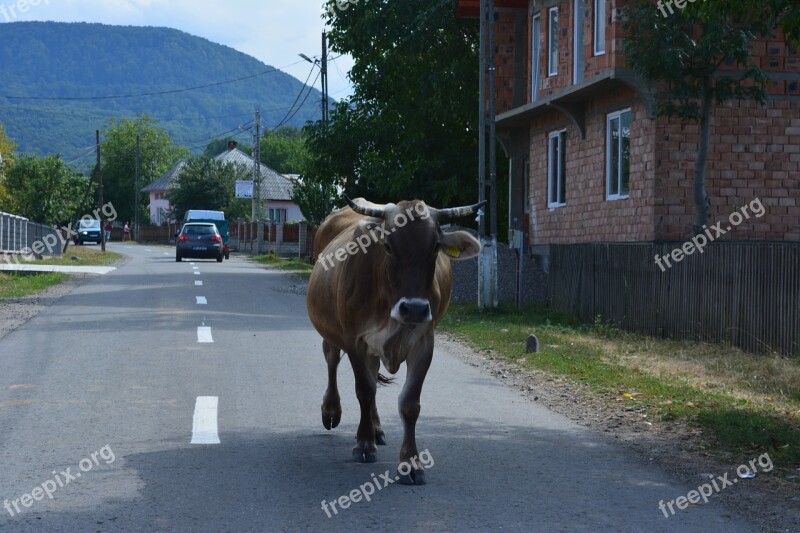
138 197
324 76
100 193
487 262
256 214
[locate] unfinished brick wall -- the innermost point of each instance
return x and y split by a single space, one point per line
755 153
587 215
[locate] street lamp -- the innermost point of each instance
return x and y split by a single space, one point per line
323 66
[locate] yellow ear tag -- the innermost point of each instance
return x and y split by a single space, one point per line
452 251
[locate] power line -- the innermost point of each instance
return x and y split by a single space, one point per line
310 90
157 93
299 94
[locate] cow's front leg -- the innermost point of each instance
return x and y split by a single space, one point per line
380 436
365 450
408 403
331 403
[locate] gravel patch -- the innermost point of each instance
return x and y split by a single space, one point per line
16 311
770 501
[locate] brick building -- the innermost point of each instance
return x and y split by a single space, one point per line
591 163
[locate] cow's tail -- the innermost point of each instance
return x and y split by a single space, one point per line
383 380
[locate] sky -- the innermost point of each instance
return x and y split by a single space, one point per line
273 31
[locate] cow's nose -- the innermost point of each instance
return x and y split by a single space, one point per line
416 311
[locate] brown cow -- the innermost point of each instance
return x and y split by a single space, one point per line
380 285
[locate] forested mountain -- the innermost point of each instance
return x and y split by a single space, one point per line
48 60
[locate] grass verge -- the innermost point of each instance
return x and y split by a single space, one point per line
294 265
85 256
19 285
742 404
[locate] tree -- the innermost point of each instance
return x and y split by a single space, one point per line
118 150
410 128
7 148
315 198
284 150
767 15
689 55
46 190
204 183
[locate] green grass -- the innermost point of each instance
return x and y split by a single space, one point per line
86 256
710 387
294 265
19 285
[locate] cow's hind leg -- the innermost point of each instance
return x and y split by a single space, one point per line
365 450
331 403
380 436
410 470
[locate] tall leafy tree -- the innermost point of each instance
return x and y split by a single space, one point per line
118 150
7 148
696 57
284 150
410 128
46 190
204 183
316 199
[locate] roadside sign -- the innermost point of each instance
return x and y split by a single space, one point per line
244 188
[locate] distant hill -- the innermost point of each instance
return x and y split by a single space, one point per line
48 59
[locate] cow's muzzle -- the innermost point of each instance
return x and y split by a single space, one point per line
412 311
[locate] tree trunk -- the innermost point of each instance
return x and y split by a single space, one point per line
700 196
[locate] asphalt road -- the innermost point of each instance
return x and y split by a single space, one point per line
106 383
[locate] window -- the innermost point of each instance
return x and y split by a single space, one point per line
536 53
599 27
556 169
552 42
577 55
618 154
277 215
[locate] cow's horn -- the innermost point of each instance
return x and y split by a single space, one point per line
456 212
363 210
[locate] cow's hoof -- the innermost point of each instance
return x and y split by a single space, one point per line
331 417
415 477
380 438
365 454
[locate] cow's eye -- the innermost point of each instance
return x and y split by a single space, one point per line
387 248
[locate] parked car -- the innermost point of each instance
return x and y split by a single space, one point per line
199 240
88 230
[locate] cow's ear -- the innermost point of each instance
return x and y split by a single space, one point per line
460 245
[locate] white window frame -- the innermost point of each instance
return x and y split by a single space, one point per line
617 116
599 24
552 42
554 169
536 57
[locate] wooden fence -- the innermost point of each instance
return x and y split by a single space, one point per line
744 293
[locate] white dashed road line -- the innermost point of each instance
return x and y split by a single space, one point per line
198 283
204 335
196 273
204 423
201 300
